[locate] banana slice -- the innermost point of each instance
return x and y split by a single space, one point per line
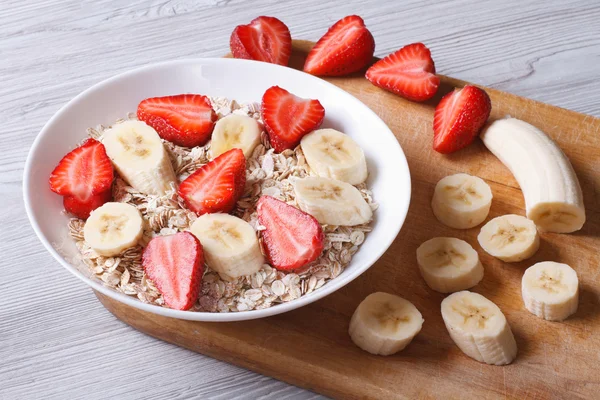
449 264
461 201
332 202
479 328
333 154
139 156
552 193
550 290
112 228
230 244
235 131
384 324
510 238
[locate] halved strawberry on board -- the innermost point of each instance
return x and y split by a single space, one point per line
185 119
216 186
175 264
409 72
459 117
292 238
347 47
288 117
263 39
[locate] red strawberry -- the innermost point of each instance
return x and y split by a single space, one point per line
185 119
82 207
292 238
459 117
263 39
216 186
409 72
288 117
175 264
83 172
347 47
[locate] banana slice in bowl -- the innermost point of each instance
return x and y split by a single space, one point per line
449 264
235 131
510 238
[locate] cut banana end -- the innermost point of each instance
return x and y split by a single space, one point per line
139 156
332 202
235 132
230 244
552 193
550 290
384 324
449 264
461 201
333 154
113 228
479 328
510 238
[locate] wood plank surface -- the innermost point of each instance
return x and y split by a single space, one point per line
310 347
56 339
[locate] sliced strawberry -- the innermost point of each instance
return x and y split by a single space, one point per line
216 186
82 207
292 238
83 172
459 117
288 117
263 39
175 264
347 47
185 119
409 72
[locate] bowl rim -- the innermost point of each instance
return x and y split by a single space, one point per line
332 286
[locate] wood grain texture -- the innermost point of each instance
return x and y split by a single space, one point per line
56 340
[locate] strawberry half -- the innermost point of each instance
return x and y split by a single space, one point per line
347 47
459 117
288 117
82 207
216 186
185 119
292 238
263 39
175 264
409 72
83 172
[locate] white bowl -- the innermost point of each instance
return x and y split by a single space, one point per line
243 81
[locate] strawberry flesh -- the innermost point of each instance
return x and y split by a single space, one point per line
83 172
175 264
459 117
288 117
216 186
347 47
409 72
292 238
263 39
82 207
185 120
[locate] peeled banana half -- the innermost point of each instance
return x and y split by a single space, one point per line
510 238
235 132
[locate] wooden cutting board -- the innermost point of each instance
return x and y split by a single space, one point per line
310 347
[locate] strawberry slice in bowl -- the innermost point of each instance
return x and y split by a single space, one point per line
263 39
185 120
288 117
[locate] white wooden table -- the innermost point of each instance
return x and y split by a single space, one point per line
56 340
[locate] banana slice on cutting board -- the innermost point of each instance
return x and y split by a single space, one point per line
113 228
461 201
331 201
230 244
510 238
449 264
139 156
553 197
384 324
235 132
550 290
333 154
479 328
